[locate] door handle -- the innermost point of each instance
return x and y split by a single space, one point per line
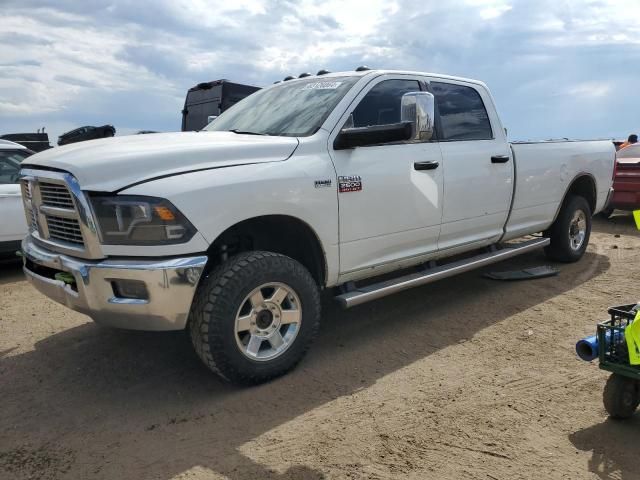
500 159
432 165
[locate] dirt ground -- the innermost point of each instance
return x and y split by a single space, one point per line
464 379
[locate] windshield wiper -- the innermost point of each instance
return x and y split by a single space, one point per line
245 132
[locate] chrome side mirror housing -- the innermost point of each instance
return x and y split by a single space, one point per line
419 109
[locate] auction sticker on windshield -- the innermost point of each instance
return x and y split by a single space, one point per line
322 86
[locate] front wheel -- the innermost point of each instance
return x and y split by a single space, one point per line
621 396
254 317
570 232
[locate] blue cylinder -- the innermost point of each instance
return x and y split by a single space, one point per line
587 348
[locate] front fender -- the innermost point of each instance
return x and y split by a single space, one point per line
215 200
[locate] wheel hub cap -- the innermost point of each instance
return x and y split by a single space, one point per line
577 230
268 321
264 319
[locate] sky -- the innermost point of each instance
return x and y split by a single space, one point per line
556 68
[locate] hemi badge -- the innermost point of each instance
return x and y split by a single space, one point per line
322 183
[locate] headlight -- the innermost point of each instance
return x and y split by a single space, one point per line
137 220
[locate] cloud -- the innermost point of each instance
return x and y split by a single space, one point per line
589 90
556 69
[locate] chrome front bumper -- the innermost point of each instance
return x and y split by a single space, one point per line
170 283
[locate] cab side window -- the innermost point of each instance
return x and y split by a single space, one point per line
10 167
463 115
381 106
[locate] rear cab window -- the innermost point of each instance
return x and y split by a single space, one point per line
462 113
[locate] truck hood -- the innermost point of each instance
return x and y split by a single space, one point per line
111 164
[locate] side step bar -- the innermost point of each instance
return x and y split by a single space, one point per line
382 289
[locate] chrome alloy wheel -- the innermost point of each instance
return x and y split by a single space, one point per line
577 230
268 321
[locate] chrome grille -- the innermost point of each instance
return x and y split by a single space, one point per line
26 190
59 213
27 196
51 212
65 229
55 195
33 224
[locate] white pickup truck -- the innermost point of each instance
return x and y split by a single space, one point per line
12 227
317 182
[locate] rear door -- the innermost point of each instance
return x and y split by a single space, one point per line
389 209
13 226
478 173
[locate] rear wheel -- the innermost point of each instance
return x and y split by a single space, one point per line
254 317
570 232
621 396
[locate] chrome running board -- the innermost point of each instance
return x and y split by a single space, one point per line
361 295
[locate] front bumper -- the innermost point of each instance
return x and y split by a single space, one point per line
171 284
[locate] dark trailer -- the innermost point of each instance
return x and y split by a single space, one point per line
211 99
36 142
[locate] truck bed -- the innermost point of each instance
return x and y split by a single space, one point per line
543 172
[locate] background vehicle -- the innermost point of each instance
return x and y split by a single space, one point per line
317 182
13 227
86 133
626 184
36 142
210 99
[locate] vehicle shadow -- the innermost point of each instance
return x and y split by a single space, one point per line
614 448
101 403
619 222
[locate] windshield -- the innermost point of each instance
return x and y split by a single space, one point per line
295 109
632 152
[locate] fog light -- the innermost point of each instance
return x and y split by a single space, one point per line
135 289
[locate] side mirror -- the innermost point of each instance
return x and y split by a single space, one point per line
211 118
419 109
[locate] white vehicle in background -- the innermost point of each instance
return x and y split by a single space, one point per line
318 182
13 226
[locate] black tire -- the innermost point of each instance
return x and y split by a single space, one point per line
561 249
621 396
220 296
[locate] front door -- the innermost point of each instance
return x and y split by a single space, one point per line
390 206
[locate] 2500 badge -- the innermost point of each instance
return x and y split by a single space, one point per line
350 183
